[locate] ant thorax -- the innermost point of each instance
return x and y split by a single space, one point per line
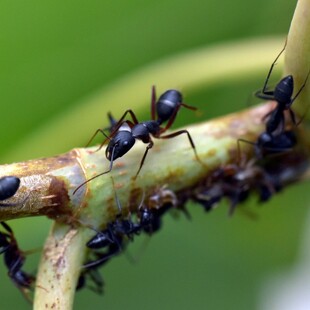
143 130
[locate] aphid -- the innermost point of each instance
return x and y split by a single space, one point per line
9 185
125 133
282 94
14 260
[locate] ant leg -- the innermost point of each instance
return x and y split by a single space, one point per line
133 116
188 106
16 266
112 122
104 258
302 118
173 116
239 148
14 204
265 95
97 279
171 120
271 68
153 103
7 228
149 146
94 135
117 126
116 198
172 135
5 248
98 175
301 88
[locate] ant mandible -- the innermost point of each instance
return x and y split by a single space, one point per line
9 185
125 133
14 260
282 94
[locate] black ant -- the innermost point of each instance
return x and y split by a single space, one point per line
267 144
112 237
122 139
282 94
14 259
9 185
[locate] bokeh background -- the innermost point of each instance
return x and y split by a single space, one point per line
55 56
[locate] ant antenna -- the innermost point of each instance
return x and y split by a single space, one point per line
98 175
272 65
118 203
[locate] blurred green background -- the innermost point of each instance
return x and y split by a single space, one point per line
55 54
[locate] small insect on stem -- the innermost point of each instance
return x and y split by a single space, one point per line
124 133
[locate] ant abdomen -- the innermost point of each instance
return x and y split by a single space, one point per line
100 240
167 103
284 90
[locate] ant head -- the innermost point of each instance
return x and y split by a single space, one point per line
270 144
284 90
122 142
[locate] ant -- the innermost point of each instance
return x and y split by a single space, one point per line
267 143
122 139
14 260
112 237
282 94
9 185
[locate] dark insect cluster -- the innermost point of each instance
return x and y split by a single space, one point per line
263 174
112 241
